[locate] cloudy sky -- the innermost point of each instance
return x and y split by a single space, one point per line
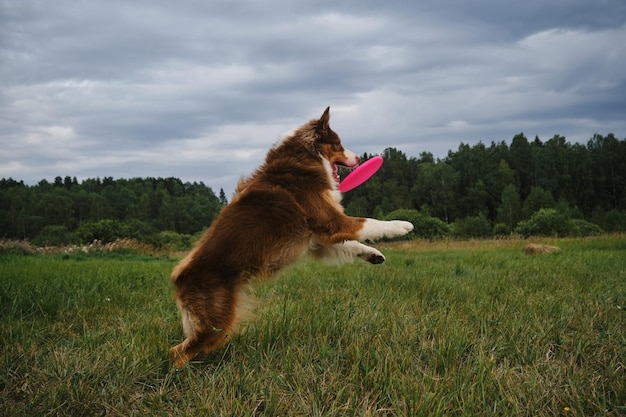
199 90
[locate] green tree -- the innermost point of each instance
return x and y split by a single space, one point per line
475 198
436 186
390 187
521 162
510 210
357 207
589 182
536 200
551 161
55 207
223 199
482 177
582 190
608 155
504 177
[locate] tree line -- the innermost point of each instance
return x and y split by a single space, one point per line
154 210
476 190
501 185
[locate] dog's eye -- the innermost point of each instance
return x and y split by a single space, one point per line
337 148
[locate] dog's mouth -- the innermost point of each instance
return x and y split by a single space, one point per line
336 170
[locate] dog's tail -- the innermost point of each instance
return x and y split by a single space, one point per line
182 265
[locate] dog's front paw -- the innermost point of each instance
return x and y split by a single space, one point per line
395 228
401 227
375 229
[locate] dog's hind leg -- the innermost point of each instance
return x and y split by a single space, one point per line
346 252
206 341
208 321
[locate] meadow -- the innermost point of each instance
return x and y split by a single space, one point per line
444 328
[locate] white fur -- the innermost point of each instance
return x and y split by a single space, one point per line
189 321
329 170
344 252
348 251
336 196
351 158
375 229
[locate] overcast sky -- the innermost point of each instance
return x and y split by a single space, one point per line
200 90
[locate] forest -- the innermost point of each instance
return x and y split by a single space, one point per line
527 187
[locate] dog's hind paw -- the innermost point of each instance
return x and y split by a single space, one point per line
177 357
376 259
371 255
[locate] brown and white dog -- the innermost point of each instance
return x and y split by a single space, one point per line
288 208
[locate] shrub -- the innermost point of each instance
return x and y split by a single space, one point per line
425 226
476 226
16 247
106 231
537 199
124 246
584 228
175 241
615 221
141 231
53 235
501 229
546 222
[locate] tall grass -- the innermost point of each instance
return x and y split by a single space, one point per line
471 329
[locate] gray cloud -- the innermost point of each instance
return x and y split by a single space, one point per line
200 90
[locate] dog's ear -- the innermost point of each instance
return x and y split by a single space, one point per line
323 122
325 133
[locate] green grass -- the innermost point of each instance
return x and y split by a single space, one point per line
441 329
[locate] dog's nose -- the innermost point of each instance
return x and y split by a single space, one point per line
357 159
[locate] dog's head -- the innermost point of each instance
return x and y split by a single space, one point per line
330 146
319 141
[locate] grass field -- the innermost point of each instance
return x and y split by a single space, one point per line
441 329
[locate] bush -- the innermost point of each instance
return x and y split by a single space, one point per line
141 231
108 230
52 235
477 226
105 231
175 241
425 226
501 229
16 247
546 222
584 228
614 221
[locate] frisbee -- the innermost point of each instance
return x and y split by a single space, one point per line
361 174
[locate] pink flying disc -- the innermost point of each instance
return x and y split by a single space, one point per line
361 174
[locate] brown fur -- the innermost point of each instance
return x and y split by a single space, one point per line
284 210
